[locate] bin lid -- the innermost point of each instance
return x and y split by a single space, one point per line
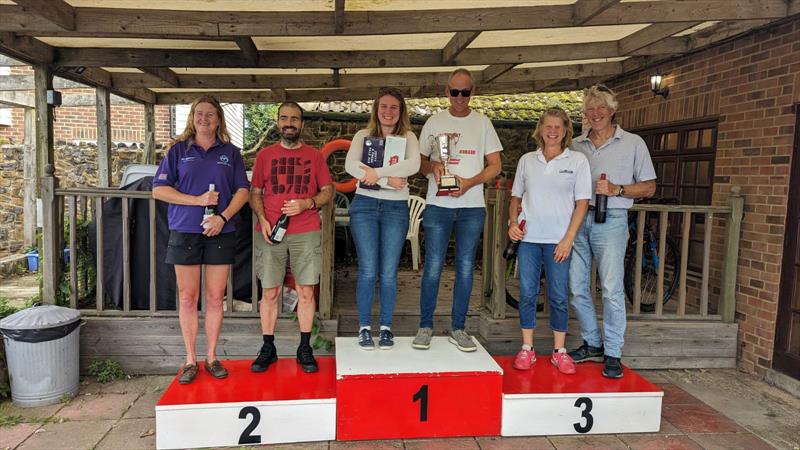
40 323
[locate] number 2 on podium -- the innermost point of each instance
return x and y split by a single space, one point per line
422 396
246 437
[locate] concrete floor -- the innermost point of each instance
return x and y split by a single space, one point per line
711 409
19 288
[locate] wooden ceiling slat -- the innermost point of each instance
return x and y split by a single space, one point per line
248 48
586 10
164 74
58 12
651 34
457 44
25 48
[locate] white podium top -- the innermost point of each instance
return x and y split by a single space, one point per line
442 357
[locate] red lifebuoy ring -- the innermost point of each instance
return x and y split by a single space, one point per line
328 149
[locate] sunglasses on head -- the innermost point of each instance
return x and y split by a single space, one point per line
463 92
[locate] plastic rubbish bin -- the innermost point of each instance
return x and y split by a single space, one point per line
42 350
33 261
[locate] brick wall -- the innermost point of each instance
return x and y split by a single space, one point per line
750 84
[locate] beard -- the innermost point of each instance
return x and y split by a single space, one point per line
291 138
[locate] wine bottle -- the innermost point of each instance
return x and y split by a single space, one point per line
210 210
279 230
512 246
600 205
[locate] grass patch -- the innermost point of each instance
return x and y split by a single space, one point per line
106 371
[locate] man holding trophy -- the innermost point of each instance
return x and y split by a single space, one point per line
459 153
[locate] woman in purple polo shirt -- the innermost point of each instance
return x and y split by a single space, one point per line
202 168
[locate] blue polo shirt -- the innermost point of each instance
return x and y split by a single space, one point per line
190 169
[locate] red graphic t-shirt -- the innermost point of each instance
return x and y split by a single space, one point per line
286 174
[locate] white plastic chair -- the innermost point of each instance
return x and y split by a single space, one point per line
415 207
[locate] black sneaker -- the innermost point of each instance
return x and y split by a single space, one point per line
587 353
365 340
386 341
266 356
305 357
612 368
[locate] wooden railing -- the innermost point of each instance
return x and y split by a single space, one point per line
65 207
495 240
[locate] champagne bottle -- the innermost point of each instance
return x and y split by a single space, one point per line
512 246
600 205
279 230
210 210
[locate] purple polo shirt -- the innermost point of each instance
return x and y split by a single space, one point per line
190 169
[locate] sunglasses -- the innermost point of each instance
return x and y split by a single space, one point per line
463 92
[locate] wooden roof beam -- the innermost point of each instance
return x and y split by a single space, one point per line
490 73
457 44
651 34
586 10
17 99
58 12
25 48
338 17
248 48
164 74
143 23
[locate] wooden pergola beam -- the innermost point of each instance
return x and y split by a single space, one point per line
651 34
58 12
114 22
248 48
164 74
338 17
457 44
17 99
495 70
586 10
25 48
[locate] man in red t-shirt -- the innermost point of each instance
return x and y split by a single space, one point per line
289 178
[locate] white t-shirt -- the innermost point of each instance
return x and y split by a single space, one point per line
550 190
477 138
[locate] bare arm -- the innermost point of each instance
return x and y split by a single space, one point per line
515 232
642 189
257 205
493 168
238 200
171 195
564 247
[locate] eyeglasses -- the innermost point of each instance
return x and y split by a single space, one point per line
463 92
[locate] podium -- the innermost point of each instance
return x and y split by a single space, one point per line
542 401
283 404
410 393
401 393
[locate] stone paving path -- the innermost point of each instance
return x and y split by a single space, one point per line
120 416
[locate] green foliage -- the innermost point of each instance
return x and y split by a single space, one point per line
106 371
258 119
6 308
9 420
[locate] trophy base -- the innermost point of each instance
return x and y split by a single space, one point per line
447 185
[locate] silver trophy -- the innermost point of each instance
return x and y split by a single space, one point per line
444 145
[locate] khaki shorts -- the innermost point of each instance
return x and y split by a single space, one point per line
303 253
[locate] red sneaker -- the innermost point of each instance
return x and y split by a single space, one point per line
563 362
525 359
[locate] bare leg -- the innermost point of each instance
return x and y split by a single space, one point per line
216 279
305 307
188 280
527 336
559 338
269 309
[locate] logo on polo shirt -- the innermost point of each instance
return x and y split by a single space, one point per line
223 159
565 171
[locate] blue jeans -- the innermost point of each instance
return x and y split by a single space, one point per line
438 224
531 258
379 230
606 242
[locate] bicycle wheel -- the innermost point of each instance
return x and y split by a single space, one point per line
650 264
512 286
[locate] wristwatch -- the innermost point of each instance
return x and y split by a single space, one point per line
621 190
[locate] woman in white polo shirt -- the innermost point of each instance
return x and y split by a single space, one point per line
552 186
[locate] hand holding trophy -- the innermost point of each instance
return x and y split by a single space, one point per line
443 146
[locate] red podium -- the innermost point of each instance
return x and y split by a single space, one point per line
409 393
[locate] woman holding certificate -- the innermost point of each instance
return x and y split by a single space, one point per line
553 186
381 157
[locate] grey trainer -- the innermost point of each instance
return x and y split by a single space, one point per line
462 340
422 340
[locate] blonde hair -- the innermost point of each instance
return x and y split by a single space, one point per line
559 114
600 94
402 126
222 129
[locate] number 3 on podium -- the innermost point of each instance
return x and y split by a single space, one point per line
586 404
246 437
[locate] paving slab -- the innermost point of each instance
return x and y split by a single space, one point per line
514 443
144 406
442 444
140 384
699 418
130 434
36 414
598 441
98 407
68 435
731 441
367 445
659 442
10 437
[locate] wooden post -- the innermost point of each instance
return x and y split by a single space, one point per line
326 279
50 254
486 254
499 238
149 155
43 81
103 107
727 302
29 176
